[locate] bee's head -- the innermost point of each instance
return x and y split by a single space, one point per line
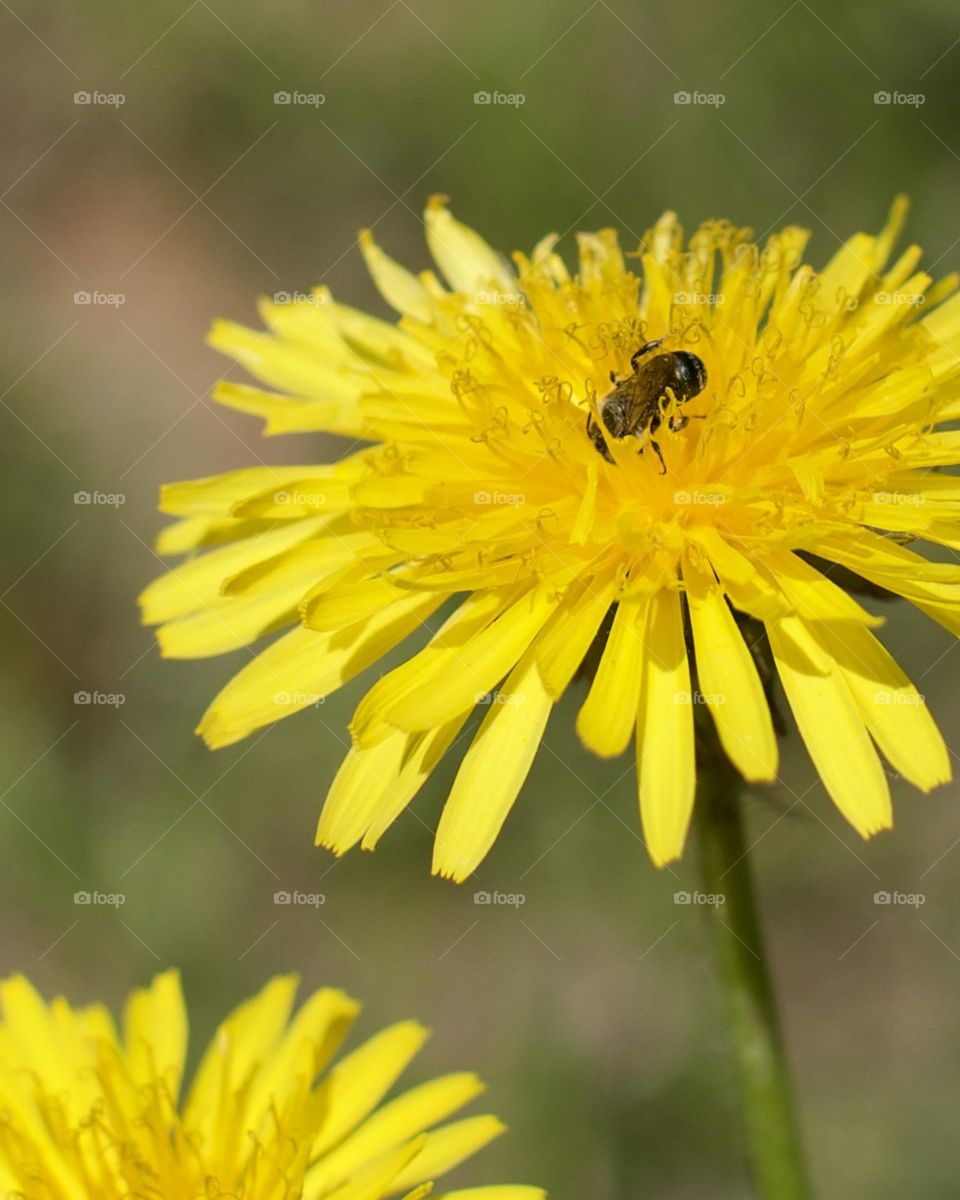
691 376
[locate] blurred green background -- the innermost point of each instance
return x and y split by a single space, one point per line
592 1009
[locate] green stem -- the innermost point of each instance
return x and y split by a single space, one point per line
772 1134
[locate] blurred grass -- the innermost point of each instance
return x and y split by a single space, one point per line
591 1009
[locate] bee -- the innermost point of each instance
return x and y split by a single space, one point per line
635 404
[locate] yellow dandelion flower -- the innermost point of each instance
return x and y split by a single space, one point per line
87 1113
665 455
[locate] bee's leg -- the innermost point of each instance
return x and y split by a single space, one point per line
595 434
681 420
644 349
655 447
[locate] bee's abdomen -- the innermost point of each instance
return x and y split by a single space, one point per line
690 374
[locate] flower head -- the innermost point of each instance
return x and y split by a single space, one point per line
87 1113
771 426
